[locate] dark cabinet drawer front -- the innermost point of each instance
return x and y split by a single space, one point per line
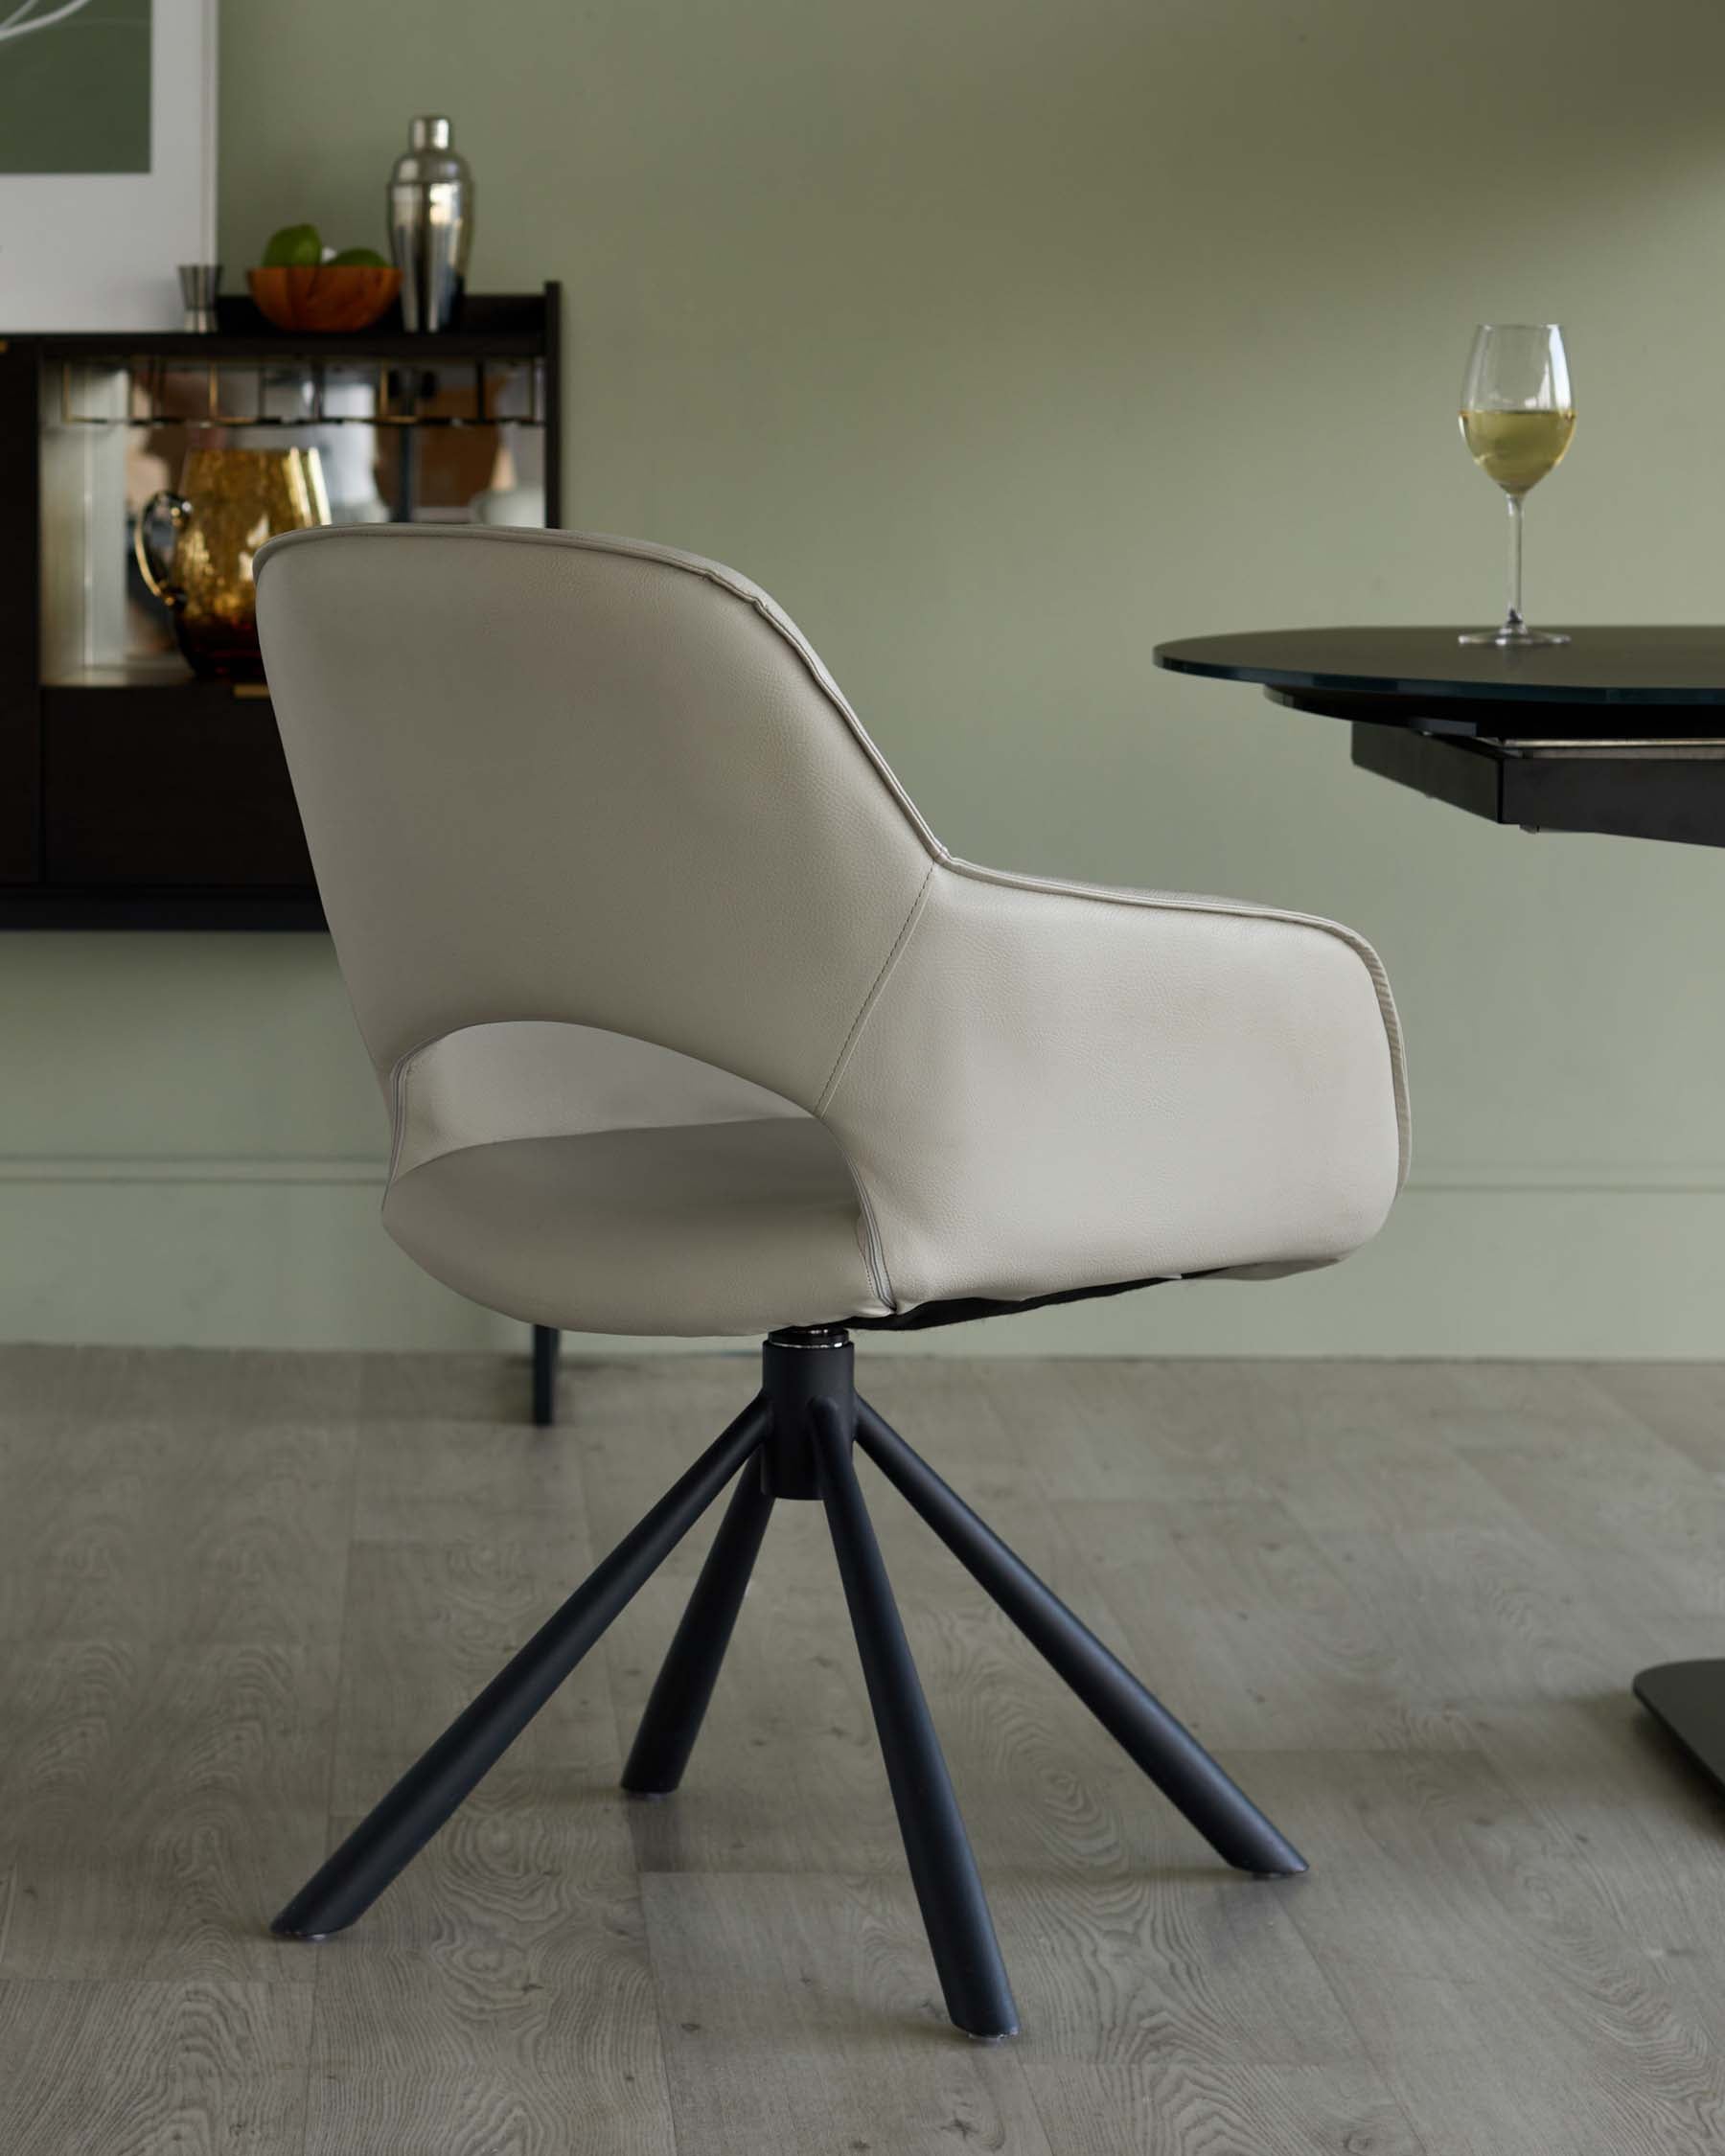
184 785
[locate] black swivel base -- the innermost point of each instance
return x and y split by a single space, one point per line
794 1440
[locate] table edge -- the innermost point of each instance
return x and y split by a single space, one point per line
1167 657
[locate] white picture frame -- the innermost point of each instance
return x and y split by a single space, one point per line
101 250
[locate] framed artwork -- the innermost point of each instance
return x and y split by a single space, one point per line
107 160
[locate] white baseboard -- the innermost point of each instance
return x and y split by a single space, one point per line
288 1253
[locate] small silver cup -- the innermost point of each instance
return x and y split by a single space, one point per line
199 283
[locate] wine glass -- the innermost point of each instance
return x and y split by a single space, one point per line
1517 420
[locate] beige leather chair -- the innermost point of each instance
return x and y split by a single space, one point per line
689 1024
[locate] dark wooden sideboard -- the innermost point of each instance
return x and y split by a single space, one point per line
132 795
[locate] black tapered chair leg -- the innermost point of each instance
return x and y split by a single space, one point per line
546 1341
961 1933
679 1696
347 1884
1167 1751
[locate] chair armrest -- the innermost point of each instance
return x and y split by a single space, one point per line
1055 1085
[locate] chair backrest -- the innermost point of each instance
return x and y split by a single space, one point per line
547 775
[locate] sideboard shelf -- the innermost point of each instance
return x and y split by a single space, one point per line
493 326
108 908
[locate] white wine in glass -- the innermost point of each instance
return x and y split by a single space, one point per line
1518 418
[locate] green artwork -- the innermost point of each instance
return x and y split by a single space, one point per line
75 85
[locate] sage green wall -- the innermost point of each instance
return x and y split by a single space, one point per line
1000 338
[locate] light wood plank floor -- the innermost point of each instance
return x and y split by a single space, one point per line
1403 1602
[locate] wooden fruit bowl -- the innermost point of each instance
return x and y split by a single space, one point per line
330 298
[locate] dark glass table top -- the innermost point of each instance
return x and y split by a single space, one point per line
1599 666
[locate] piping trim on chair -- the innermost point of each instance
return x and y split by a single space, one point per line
869 1239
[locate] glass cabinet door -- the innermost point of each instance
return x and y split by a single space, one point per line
458 441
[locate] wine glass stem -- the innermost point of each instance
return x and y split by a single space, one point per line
1513 619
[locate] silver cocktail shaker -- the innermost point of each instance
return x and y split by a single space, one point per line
431 223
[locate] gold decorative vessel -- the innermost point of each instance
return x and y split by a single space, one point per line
229 502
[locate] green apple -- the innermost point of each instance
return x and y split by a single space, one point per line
357 258
296 246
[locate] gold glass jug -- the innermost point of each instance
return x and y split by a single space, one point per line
230 501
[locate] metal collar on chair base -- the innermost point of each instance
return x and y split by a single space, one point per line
795 1440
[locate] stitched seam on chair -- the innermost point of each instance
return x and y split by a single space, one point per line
880 981
874 1251
398 1102
869 1242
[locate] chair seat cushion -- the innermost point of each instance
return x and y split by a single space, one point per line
692 1229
